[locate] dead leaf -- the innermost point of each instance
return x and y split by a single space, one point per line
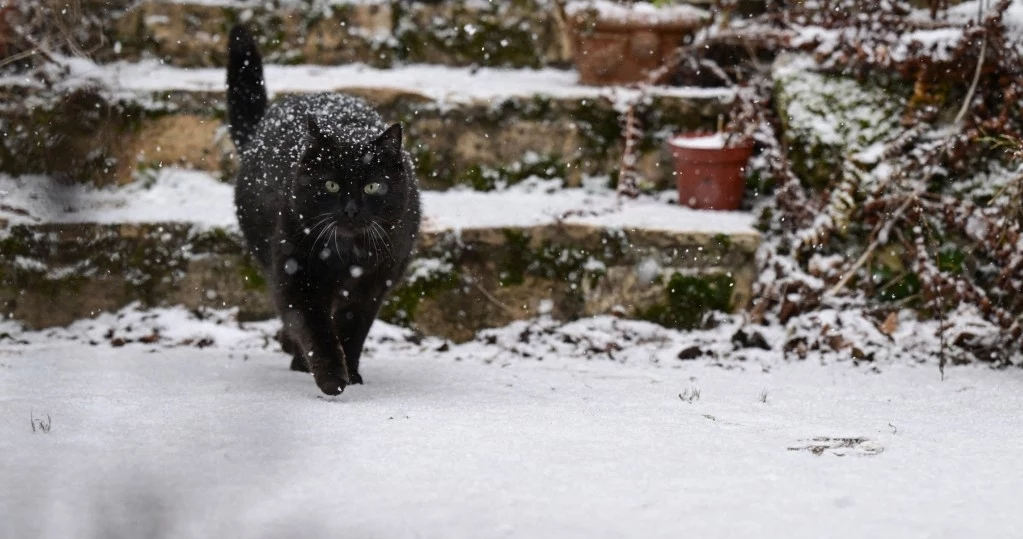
890 324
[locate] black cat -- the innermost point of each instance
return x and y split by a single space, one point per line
329 205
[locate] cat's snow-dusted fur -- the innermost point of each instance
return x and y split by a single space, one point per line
329 205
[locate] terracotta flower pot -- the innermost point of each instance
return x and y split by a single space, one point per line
615 44
709 175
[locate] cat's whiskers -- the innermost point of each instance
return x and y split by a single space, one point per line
371 240
333 232
374 239
384 239
387 240
305 231
323 218
380 241
323 231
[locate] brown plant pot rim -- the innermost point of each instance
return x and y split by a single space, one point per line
736 152
584 24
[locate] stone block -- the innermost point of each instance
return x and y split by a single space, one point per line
482 144
460 282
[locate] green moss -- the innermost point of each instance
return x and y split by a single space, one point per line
483 178
516 257
146 262
951 260
826 119
430 169
599 126
596 134
222 242
402 303
251 274
723 242
479 178
216 241
488 35
566 263
536 108
555 261
689 297
74 136
765 219
16 241
663 116
18 244
41 283
894 286
45 264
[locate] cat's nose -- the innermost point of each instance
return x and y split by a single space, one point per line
350 209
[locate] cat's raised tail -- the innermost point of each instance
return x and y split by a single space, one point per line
246 93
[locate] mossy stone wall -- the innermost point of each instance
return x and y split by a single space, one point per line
57 273
459 283
514 33
491 277
482 145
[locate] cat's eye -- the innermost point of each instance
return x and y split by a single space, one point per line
375 188
332 187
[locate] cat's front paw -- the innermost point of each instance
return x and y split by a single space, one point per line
330 383
298 363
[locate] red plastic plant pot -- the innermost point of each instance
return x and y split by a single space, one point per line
709 174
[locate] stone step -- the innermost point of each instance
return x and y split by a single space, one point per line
383 33
463 126
484 260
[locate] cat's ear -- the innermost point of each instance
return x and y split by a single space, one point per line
390 139
313 157
313 128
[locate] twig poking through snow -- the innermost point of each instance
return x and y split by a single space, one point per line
690 395
628 175
973 85
38 424
882 234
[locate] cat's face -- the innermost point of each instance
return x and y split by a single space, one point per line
356 186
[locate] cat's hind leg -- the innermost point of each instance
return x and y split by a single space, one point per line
290 347
299 364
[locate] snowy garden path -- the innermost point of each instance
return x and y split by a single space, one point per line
186 442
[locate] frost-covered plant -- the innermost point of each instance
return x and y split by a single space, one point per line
932 220
32 33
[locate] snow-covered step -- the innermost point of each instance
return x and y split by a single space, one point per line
485 259
471 126
379 32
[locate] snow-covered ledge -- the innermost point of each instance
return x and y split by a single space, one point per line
462 125
444 84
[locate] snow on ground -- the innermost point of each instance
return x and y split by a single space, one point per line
936 37
173 195
241 4
975 10
165 434
176 195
